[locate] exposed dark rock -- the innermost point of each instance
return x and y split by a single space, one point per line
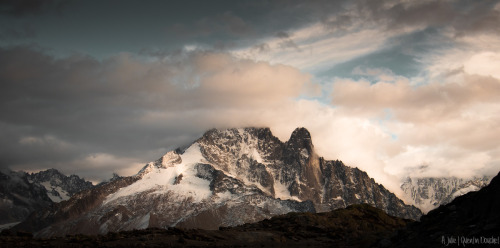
22 193
178 179
328 184
19 197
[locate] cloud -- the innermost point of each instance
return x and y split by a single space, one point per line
314 49
449 126
463 17
227 23
30 7
127 107
485 64
25 31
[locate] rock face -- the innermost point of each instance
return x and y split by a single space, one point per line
59 186
292 170
473 218
225 178
22 193
19 197
429 193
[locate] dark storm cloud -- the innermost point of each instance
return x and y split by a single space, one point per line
226 23
21 8
261 48
287 41
25 31
463 16
282 35
243 20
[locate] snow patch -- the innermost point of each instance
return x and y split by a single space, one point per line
8 225
63 195
144 222
224 196
464 191
304 153
281 191
103 228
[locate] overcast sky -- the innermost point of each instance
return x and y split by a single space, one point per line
395 88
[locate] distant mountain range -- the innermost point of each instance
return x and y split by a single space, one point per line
470 220
430 192
22 193
225 178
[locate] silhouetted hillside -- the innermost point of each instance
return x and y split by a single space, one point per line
354 226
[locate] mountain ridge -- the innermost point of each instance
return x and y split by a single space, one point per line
22 193
225 178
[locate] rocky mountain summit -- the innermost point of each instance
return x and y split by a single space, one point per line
22 193
429 193
225 178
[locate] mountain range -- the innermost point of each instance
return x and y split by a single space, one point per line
225 178
471 220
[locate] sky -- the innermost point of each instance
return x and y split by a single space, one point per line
394 87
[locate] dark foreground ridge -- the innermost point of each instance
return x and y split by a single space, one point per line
355 226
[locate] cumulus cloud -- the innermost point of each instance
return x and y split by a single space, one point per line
448 126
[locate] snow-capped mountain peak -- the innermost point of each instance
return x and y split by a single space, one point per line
225 178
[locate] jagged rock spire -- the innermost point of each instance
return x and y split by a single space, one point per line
301 138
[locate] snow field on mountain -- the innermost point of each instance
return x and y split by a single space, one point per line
63 195
161 180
